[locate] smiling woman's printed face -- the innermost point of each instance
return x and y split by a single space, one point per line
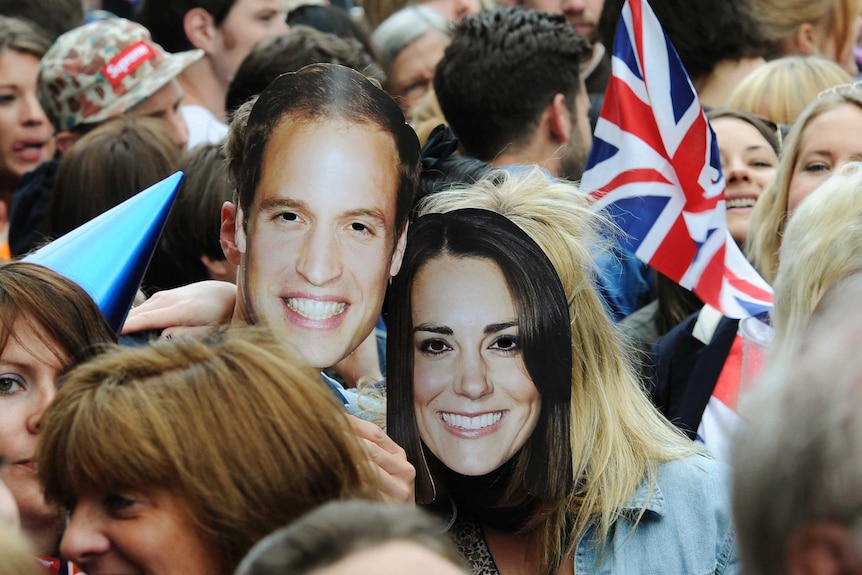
475 403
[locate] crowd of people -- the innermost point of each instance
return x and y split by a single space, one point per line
383 329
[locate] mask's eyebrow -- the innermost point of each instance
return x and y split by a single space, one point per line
503 325
431 328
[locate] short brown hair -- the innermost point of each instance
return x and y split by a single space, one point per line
339 529
245 437
64 317
107 166
192 229
317 93
298 48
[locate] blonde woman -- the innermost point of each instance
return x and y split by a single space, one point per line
823 139
822 244
780 90
624 491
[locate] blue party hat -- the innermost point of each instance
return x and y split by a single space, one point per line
108 255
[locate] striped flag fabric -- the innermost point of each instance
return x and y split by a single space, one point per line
655 170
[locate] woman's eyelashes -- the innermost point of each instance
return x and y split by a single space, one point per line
507 344
434 347
118 505
816 167
11 383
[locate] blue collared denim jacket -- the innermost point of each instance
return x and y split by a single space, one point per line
686 528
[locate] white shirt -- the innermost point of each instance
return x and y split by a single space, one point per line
204 127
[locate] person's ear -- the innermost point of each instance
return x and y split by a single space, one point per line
559 118
398 254
199 26
65 140
823 548
805 39
218 269
232 236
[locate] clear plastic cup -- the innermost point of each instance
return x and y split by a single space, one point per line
757 335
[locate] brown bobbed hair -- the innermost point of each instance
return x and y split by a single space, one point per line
230 424
60 312
544 464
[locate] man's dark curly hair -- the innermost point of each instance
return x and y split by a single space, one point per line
501 71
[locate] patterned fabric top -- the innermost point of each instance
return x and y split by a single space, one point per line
470 541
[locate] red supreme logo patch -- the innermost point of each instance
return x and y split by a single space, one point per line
127 62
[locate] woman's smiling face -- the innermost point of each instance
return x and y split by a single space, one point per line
829 141
475 403
749 163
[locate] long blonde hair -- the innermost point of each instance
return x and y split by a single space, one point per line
823 243
770 215
618 439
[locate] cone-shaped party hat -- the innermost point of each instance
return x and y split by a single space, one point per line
108 255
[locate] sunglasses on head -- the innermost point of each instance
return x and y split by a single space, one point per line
841 89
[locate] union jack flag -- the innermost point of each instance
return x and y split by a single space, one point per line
655 170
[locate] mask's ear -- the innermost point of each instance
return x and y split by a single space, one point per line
398 254
219 269
232 237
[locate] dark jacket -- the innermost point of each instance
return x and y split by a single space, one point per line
29 207
686 371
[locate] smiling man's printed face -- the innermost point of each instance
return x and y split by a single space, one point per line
320 245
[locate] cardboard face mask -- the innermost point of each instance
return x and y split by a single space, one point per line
320 168
480 352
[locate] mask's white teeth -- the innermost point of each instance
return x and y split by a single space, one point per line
314 309
471 423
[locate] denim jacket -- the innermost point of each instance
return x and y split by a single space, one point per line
686 528
363 408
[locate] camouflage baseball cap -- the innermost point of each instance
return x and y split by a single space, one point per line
104 69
